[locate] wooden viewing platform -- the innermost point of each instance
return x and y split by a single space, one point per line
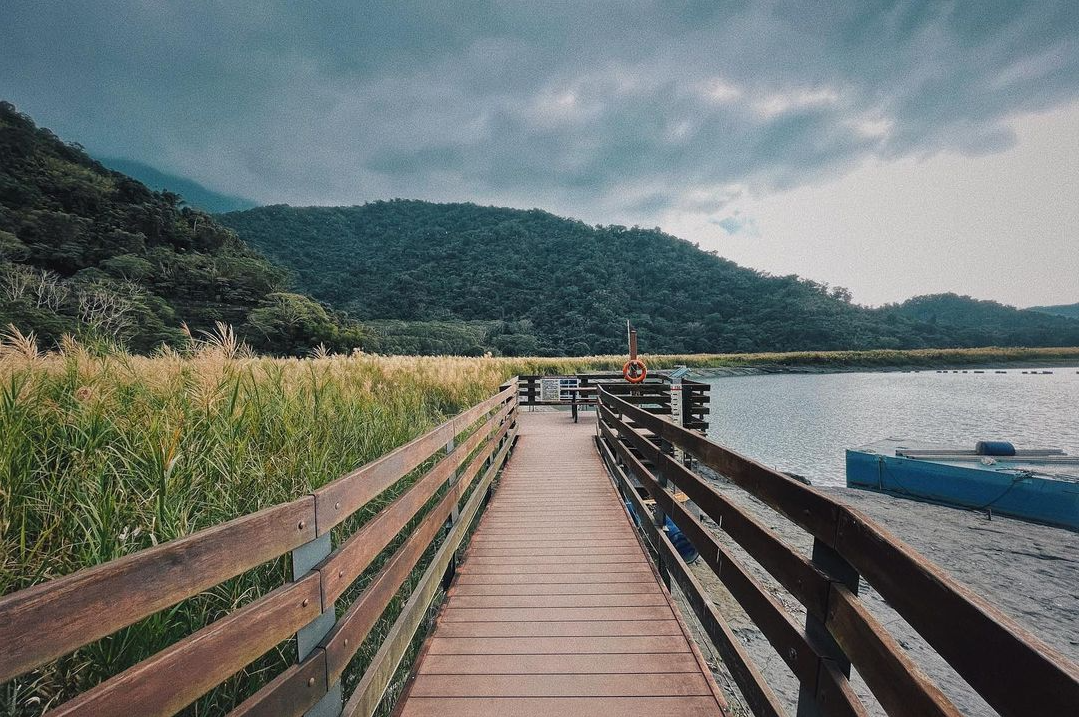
560 605
556 610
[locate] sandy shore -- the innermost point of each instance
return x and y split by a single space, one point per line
1030 572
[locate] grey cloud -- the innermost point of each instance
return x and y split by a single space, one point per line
592 108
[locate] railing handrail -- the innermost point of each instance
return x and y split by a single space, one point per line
655 391
920 591
51 619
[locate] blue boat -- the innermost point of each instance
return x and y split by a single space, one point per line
1040 485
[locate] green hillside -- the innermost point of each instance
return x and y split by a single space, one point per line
93 253
538 283
1069 310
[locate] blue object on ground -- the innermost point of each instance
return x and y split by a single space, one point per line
1041 488
674 533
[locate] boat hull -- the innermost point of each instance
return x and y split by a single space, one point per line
1021 495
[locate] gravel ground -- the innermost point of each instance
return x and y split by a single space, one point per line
1031 572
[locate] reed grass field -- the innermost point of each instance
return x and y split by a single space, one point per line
105 453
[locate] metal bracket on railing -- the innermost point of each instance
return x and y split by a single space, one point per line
455 512
840 571
455 515
661 522
678 413
304 559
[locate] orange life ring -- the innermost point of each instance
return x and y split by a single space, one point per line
634 371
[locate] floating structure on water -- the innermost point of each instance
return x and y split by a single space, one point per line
1040 485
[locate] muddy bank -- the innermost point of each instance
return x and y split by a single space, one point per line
1030 572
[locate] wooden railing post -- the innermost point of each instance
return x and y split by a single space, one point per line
304 559
454 516
840 572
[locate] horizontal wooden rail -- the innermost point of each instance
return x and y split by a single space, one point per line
301 686
1014 672
793 570
341 568
903 689
778 627
336 501
51 619
353 626
372 686
655 393
54 618
178 675
752 684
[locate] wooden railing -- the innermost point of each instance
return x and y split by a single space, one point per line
1013 671
54 618
654 395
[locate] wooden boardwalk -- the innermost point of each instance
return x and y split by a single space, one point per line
555 609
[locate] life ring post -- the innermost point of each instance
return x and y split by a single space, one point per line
633 370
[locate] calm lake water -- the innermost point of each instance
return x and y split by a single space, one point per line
803 423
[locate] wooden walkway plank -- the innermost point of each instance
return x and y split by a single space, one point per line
556 608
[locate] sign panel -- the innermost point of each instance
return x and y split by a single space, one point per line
549 389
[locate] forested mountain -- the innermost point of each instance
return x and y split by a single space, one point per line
91 252
1069 310
530 282
973 322
193 194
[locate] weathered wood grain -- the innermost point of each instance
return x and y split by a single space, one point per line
337 500
900 685
1014 671
368 693
346 563
180 674
754 687
291 693
48 620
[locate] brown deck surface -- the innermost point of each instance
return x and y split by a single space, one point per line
555 609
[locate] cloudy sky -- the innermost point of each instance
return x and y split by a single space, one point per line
894 148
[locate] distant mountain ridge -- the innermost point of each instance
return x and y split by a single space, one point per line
1069 310
543 284
193 193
